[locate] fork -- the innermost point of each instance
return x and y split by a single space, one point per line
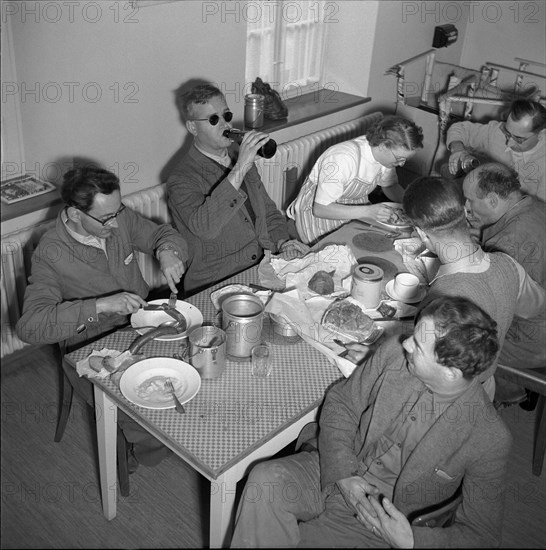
177 405
172 300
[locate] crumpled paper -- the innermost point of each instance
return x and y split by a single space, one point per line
298 272
121 358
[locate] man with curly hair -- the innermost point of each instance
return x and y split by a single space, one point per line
408 430
337 189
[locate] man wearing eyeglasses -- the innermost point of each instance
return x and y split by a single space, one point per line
217 199
519 143
85 277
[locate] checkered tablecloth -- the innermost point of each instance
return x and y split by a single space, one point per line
233 414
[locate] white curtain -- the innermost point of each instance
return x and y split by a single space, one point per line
286 43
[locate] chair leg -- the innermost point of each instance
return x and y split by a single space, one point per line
65 402
540 436
123 467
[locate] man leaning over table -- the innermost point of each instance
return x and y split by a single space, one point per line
409 427
85 279
510 221
493 280
519 142
217 199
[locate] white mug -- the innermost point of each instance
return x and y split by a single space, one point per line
406 286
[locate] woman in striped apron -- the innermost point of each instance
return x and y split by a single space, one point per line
336 191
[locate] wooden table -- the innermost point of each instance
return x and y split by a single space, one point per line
233 421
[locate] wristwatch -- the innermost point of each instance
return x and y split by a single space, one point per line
166 247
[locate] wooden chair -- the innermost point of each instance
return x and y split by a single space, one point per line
533 380
66 393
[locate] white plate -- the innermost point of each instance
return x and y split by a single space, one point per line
389 287
144 320
395 225
142 383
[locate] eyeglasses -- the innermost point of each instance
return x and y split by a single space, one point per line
213 119
109 219
399 160
518 139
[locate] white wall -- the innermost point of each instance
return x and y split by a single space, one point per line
65 54
100 84
351 27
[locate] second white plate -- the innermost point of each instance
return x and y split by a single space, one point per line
144 320
144 382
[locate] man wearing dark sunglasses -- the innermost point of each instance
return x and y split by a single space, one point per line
216 196
85 279
519 143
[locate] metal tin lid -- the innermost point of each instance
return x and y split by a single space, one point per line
368 273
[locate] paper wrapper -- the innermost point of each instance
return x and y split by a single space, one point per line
298 272
121 359
305 318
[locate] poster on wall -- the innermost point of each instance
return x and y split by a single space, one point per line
23 187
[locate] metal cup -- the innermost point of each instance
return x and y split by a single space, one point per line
207 351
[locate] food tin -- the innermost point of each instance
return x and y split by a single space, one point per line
366 286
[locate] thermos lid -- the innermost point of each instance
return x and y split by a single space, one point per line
368 273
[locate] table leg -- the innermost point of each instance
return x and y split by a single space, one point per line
222 503
106 413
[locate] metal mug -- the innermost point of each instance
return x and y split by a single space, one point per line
242 319
207 351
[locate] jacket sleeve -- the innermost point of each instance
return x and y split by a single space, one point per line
148 236
47 318
202 199
471 134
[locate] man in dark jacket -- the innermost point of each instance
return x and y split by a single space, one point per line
217 199
403 433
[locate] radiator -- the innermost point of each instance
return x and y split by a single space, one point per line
284 174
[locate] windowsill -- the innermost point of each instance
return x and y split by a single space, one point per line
30 212
312 106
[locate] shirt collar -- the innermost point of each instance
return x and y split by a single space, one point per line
88 240
224 160
477 261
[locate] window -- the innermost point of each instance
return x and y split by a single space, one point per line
286 42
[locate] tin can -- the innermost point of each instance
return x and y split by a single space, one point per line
366 286
254 110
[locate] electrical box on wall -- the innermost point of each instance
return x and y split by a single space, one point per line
444 35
